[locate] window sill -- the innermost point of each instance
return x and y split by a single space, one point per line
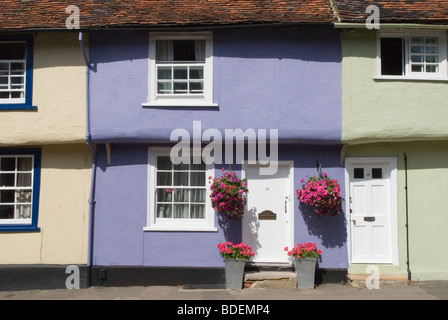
12 106
18 228
180 228
410 78
180 104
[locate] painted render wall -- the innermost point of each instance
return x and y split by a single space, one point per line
63 211
121 214
59 92
282 78
386 110
427 211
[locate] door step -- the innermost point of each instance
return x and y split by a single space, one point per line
367 280
269 279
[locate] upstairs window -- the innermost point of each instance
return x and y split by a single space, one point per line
15 75
412 55
180 69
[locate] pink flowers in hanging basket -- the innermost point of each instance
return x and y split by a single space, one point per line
228 195
323 193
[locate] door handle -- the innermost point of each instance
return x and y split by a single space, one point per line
354 221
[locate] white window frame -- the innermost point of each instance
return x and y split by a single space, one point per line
408 74
172 224
9 62
180 100
16 220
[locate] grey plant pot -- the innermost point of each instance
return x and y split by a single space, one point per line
305 270
234 269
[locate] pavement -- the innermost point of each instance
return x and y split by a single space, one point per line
421 290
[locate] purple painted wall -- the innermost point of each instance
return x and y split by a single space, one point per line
283 78
121 213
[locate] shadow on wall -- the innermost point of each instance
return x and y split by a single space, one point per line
231 228
330 230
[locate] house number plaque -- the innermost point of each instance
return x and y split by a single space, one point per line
267 215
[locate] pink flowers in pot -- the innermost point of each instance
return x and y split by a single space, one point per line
304 250
228 194
323 193
241 250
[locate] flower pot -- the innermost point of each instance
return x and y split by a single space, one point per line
234 273
305 270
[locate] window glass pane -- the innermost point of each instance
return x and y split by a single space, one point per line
196 73
6 211
4 95
164 178
164 87
181 166
180 87
416 49
415 58
12 50
181 195
417 68
391 56
431 49
24 164
358 173
197 195
184 50
416 40
163 211
164 195
8 164
432 59
431 40
24 211
196 87
197 178
7 196
163 163
377 173
181 211
164 73
180 73
181 178
24 179
7 179
199 166
432 68
197 211
23 196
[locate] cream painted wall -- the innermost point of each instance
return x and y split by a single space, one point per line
63 211
59 92
386 110
427 209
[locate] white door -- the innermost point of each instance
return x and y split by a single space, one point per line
267 221
371 200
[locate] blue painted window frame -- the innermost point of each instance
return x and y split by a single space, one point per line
28 75
36 189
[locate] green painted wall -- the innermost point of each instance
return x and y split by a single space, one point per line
427 205
386 110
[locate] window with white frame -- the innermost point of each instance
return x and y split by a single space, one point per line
19 175
12 72
180 69
178 197
414 55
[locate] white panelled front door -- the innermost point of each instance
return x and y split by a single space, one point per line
372 210
267 222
